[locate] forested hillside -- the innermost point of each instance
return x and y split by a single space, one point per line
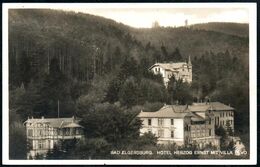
97 69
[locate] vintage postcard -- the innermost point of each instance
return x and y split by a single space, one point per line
129 83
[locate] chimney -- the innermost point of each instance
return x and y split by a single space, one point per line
42 117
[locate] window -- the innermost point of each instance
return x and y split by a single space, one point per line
226 114
67 131
172 121
160 122
30 132
203 133
149 130
198 133
210 121
41 132
55 132
77 131
172 134
160 133
149 122
209 132
40 144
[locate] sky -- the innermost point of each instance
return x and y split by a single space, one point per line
142 17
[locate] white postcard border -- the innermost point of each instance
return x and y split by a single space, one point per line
252 82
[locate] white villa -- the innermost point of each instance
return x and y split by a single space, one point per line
186 124
180 70
44 133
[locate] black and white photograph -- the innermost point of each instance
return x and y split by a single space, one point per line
115 83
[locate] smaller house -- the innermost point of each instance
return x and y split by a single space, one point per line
180 70
44 133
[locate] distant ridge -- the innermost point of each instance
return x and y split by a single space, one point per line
237 29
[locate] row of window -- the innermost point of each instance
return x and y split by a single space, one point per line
223 122
161 133
160 122
157 69
65 131
227 114
200 133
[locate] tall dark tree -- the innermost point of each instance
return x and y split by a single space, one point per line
128 94
24 72
179 91
122 125
176 56
164 53
55 90
128 68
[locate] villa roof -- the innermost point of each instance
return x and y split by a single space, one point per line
169 66
56 122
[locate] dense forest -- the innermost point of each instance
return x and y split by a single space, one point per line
97 69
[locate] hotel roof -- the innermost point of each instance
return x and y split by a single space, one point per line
215 106
180 111
169 66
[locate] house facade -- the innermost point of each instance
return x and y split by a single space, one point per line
44 133
183 124
223 114
180 70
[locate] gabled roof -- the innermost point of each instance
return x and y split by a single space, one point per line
172 111
165 112
195 108
72 125
169 66
215 106
180 111
220 106
56 122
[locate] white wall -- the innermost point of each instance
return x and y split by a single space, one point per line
178 127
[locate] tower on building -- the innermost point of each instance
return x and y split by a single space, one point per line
155 24
186 23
